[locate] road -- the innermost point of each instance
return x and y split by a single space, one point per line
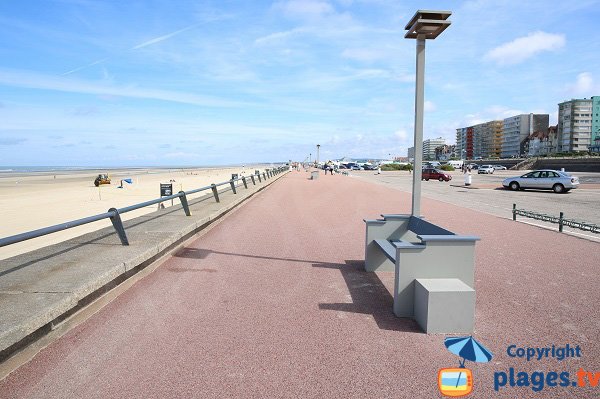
487 195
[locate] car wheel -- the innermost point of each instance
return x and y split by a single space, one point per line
426 179
558 188
441 178
514 185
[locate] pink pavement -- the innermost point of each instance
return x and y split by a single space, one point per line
273 303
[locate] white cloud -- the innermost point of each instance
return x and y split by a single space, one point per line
522 48
429 106
363 54
401 134
584 86
305 8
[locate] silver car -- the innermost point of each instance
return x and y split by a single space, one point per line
546 179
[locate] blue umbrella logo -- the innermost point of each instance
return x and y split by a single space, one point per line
469 349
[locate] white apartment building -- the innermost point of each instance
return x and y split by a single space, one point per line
517 129
575 125
429 147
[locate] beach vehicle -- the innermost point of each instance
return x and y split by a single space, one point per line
101 179
546 179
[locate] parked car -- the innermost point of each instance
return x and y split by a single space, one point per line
485 169
355 167
499 167
430 173
546 179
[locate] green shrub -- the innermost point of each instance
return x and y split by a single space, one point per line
448 168
390 167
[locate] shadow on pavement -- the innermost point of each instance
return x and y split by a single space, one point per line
369 296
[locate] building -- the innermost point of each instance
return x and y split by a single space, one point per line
541 143
460 150
517 129
596 122
429 147
445 152
411 153
575 125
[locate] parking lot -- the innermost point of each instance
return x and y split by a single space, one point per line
486 194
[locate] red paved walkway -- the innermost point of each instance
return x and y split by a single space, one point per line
272 303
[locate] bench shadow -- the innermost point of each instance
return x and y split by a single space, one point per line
369 296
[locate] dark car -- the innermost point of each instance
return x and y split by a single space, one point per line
436 174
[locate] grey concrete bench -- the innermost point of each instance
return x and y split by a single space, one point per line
416 249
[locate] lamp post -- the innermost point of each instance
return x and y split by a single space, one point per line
318 146
425 24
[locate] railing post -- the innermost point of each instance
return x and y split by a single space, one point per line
253 181
264 175
560 222
514 211
215 192
232 186
259 179
118 225
184 203
244 181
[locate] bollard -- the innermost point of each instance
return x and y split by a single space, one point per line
560 222
514 211
215 192
232 186
244 181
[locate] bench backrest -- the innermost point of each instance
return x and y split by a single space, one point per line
423 227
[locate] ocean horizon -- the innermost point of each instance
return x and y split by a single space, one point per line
8 169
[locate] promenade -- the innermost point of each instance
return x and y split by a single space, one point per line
273 303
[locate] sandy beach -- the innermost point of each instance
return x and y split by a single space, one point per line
30 201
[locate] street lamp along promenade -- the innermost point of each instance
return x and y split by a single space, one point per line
425 24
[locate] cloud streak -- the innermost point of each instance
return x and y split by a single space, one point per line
162 38
33 80
523 48
136 47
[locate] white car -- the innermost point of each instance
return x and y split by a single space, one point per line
487 169
499 167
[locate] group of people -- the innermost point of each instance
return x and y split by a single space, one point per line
329 167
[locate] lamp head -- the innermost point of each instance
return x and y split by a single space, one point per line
427 23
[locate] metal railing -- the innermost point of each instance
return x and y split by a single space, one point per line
560 220
114 214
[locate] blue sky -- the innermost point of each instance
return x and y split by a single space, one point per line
132 83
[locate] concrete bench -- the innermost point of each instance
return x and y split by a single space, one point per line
444 305
414 248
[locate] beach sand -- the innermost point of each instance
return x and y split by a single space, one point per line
33 201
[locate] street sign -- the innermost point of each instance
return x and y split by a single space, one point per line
166 189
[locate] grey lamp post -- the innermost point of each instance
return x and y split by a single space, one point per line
425 24
318 146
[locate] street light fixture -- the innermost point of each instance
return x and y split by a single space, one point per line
425 24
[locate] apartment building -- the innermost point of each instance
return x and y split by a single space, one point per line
595 118
429 147
575 125
517 129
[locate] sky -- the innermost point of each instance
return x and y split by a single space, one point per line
191 83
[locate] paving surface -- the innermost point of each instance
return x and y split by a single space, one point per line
40 286
272 302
